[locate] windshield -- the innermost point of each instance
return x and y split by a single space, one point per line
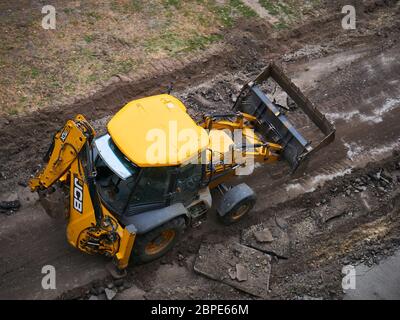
114 158
116 175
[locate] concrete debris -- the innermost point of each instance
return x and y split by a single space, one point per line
93 298
235 265
110 294
97 290
308 51
364 201
264 235
280 245
133 293
110 285
333 210
281 223
241 272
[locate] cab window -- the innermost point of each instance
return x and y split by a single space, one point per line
151 191
113 190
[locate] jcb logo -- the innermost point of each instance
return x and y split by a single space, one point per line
78 195
64 135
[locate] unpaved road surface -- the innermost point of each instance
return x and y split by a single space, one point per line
352 77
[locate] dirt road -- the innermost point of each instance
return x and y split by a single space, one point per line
352 78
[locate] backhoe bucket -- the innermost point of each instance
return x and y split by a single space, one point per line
54 202
274 126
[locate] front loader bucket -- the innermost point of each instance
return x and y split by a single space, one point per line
274 126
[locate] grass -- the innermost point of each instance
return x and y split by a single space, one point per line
119 36
173 44
200 41
93 15
136 5
245 11
130 6
281 25
13 112
286 11
173 3
92 78
88 38
223 14
228 12
126 66
34 72
278 7
68 10
271 8
97 39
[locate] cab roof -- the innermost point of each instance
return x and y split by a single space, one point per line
157 131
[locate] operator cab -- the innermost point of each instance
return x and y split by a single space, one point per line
127 189
129 180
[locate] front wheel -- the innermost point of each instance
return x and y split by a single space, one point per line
238 212
158 242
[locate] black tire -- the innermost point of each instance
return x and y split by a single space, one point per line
236 214
141 252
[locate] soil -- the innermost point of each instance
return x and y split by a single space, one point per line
342 210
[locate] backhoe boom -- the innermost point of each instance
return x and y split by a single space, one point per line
64 150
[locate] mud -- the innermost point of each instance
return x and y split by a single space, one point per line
340 211
250 45
320 243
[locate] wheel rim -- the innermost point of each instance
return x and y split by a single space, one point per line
243 209
160 243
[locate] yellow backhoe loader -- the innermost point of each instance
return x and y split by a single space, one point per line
132 191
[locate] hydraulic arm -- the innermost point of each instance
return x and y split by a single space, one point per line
92 228
64 150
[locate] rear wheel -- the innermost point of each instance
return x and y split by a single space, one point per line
156 243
